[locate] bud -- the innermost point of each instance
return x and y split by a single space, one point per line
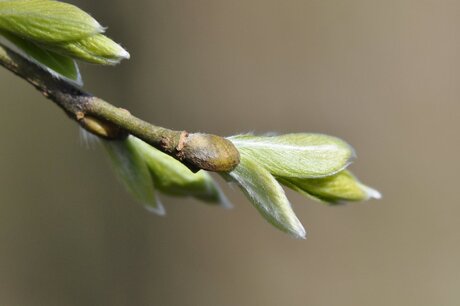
266 194
209 152
338 188
297 155
172 177
130 167
96 49
46 21
58 28
58 65
100 127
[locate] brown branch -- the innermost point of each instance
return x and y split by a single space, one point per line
197 151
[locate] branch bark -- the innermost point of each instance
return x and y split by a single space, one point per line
195 150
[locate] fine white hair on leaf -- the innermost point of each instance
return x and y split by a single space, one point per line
88 139
47 21
299 155
338 188
173 178
158 209
268 197
371 192
223 200
133 172
52 58
123 53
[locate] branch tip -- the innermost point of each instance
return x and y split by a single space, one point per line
196 151
209 152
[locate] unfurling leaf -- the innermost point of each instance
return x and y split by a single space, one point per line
337 188
96 49
46 21
60 66
58 29
267 196
172 177
298 155
130 167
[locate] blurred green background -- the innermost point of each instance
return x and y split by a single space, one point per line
383 75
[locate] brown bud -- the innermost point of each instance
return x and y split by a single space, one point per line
209 152
100 127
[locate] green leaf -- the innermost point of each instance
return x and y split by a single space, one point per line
172 177
297 155
47 21
267 196
58 65
130 167
338 188
59 28
96 49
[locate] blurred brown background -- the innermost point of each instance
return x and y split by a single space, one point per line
384 75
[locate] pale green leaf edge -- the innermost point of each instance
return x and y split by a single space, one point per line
173 178
59 66
267 196
133 172
282 156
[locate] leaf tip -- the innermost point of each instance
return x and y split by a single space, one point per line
223 201
157 209
123 54
371 192
298 231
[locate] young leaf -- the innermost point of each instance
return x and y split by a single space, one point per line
58 65
134 173
46 21
338 188
172 177
297 155
96 49
267 196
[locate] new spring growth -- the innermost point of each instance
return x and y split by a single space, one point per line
312 164
53 34
145 171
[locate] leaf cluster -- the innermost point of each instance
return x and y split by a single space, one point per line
54 35
311 164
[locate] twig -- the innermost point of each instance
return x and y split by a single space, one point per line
196 150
